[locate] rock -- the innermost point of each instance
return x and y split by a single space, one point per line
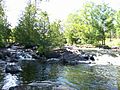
43 85
35 56
114 47
86 57
68 55
22 87
104 46
92 58
34 86
53 55
22 56
6 53
16 46
1 56
84 62
2 63
53 60
12 68
62 87
72 62
13 60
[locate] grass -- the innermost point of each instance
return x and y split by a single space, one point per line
113 42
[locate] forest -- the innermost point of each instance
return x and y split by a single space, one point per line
92 24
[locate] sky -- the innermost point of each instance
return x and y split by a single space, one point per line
57 9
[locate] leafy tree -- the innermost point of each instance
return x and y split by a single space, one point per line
56 35
91 23
72 28
117 23
104 20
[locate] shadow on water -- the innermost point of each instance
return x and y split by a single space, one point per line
34 71
80 77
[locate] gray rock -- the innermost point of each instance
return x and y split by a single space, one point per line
12 68
44 85
53 60
34 86
62 87
2 63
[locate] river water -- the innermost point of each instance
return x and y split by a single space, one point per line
81 77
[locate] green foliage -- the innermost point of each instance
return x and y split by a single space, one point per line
24 31
35 29
117 24
90 24
5 32
56 35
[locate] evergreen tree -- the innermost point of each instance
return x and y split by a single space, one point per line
5 31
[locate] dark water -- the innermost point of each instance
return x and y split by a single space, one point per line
80 77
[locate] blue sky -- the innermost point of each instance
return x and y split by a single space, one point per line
57 9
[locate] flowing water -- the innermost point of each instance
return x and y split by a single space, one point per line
101 76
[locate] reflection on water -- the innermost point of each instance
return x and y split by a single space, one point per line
35 71
80 77
93 77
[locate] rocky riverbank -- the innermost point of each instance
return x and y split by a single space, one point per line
67 55
10 58
43 85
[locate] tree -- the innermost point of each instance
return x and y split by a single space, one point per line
50 34
38 31
26 27
56 34
117 23
72 28
5 31
104 20
92 23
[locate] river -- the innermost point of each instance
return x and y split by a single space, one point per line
101 76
